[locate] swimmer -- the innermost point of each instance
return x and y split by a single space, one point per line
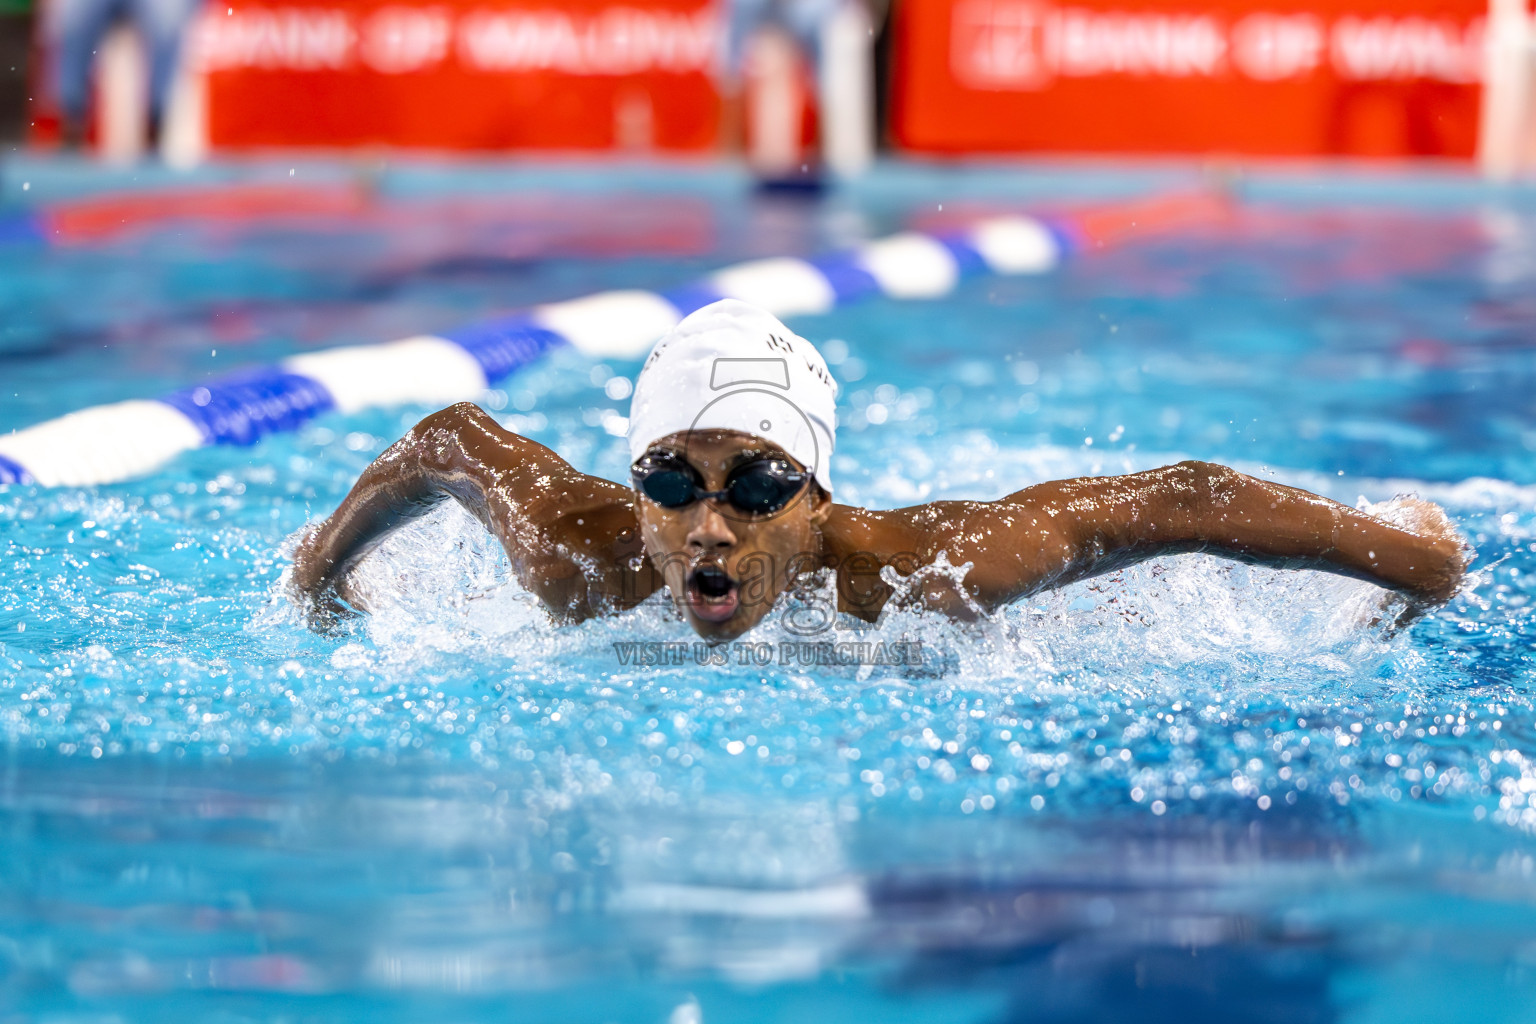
729 505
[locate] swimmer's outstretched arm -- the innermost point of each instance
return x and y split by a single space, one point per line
1054 533
571 537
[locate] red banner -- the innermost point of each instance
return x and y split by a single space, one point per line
1259 77
462 74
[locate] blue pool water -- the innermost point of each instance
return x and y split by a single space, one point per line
1189 791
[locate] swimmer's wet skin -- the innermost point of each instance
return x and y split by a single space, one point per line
725 550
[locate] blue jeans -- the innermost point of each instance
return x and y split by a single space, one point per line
78 26
800 18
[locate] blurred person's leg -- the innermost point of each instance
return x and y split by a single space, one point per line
120 100
804 19
742 19
162 25
76 28
776 101
1507 126
832 40
15 47
837 37
845 86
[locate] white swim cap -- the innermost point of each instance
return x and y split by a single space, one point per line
733 366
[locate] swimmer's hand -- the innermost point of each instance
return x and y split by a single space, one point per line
324 598
1449 550
325 613
1427 520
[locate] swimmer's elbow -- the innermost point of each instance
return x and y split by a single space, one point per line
468 411
437 442
1200 494
1211 481
452 419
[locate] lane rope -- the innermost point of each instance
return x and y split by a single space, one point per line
109 443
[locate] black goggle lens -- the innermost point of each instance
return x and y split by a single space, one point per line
669 488
763 487
758 488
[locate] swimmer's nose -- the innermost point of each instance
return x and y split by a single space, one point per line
711 531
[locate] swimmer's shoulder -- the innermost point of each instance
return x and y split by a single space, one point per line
915 531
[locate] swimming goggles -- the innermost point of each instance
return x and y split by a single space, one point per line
759 488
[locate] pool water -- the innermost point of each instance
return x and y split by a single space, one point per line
1192 790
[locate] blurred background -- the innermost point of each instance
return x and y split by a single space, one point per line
789 84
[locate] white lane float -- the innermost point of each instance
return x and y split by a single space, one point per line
115 442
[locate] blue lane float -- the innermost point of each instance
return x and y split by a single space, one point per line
13 473
243 408
108 443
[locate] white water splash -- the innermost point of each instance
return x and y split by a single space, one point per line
442 586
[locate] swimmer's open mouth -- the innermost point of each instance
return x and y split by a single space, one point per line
712 594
